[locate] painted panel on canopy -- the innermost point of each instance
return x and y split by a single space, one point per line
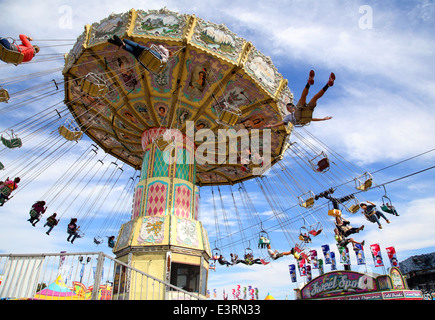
106 28
263 70
76 51
161 108
143 112
132 159
130 119
122 69
202 75
160 23
106 139
89 64
120 124
218 39
133 143
88 119
241 91
210 177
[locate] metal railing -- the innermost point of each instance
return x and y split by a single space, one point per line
80 276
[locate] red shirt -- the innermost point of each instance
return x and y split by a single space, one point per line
26 48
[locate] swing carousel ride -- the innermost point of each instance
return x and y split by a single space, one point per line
130 115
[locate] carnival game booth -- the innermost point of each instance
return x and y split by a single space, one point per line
350 285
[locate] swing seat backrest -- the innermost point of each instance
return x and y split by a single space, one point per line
70 135
5 190
93 85
366 185
11 56
228 118
354 208
151 62
33 213
12 143
323 164
308 203
304 115
4 95
315 233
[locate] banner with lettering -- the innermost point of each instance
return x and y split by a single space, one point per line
377 256
292 269
333 284
333 263
391 252
313 258
344 255
359 252
326 254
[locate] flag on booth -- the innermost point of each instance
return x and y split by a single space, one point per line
377 256
333 263
344 255
391 252
326 254
292 269
314 260
359 252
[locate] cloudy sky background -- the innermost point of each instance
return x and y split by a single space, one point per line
382 107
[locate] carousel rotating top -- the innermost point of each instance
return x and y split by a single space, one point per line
215 80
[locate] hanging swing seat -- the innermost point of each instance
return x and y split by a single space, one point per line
12 142
151 61
364 181
263 240
387 206
2 166
306 200
215 254
98 240
316 229
5 191
320 163
33 213
69 131
11 56
353 208
389 209
300 247
93 85
305 115
4 95
303 234
304 237
229 115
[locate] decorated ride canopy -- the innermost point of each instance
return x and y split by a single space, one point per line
215 80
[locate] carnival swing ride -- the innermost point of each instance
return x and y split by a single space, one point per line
128 114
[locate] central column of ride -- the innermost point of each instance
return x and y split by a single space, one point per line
164 237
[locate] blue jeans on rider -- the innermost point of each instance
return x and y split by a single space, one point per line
136 49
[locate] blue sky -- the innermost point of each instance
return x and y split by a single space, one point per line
381 103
